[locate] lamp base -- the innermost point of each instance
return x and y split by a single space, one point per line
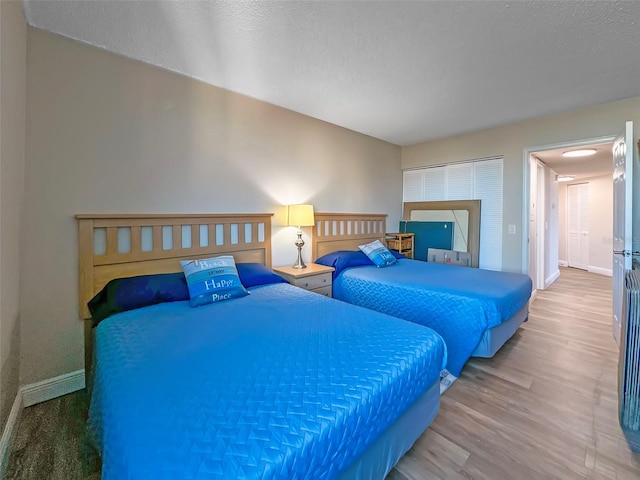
299 264
299 243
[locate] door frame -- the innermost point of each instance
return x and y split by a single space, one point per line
526 153
533 225
540 224
536 249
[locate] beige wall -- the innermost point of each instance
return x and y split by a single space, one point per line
108 134
13 53
509 141
600 222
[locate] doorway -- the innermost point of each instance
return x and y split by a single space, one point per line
546 215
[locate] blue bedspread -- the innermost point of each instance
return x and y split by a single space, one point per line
457 302
282 383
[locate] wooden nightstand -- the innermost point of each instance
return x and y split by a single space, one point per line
315 278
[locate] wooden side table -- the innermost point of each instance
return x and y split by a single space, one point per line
401 242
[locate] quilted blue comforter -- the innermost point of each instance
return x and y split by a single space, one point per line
457 302
282 383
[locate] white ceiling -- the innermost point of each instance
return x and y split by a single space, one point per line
404 72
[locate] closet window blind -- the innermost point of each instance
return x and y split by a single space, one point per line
475 180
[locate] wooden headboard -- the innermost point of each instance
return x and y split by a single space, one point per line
116 246
345 231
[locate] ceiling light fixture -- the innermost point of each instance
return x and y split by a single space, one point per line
579 153
564 178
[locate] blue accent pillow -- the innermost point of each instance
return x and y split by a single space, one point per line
398 255
254 274
122 294
212 280
342 259
378 253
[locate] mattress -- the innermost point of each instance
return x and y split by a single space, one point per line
282 383
459 303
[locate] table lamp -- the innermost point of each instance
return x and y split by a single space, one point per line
300 216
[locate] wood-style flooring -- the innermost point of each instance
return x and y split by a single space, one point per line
545 407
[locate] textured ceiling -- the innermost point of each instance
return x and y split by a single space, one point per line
404 72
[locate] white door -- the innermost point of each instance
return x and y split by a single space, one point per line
578 225
622 233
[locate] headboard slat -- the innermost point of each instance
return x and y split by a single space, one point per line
195 236
157 238
112 240
136 240
176 235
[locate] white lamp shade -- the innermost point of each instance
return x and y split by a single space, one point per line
300 216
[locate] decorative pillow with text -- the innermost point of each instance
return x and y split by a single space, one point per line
378 253
212 280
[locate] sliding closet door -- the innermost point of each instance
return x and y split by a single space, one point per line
488 188
412 186
435 184
479 180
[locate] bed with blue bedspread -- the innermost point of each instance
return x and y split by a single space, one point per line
476 311
281 383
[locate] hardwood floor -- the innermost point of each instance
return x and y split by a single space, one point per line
545 407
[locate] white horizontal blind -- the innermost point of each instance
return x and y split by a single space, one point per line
460 181
479 180
488 188
434 184
412 186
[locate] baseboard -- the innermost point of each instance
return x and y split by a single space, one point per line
52 388
30 395
563 263
601 271
7 434
534 295
552 278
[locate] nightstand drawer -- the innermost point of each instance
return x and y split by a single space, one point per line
326 291
314 281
